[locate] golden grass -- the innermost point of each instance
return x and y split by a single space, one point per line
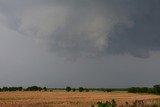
68 99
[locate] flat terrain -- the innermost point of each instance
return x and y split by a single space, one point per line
68 99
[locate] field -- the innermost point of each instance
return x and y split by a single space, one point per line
68 99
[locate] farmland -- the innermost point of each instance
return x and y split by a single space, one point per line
68 99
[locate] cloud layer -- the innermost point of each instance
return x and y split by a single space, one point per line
87 27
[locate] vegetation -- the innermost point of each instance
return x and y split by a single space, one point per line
45 88
81 89
154 90
32 88
108 89
68 89
87 90
136 103
107 104
11 89
73 89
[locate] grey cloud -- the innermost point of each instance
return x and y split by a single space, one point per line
88 27
143 37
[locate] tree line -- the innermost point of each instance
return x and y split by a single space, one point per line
32 88
82 89
154 90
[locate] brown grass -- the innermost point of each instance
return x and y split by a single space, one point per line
68 99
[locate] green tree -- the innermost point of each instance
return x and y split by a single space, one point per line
20 88
87 90
44 88
34 88
68 89
81 89
73 89
109 90
113 102
5 89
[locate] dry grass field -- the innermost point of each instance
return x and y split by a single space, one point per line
68 99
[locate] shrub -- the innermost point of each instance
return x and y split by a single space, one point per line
109 90
155 89
87 90
44 88
68 88
11 89
107 104
81 89
34 88
73 89
5 89
113 102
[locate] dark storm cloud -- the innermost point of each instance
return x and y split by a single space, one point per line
143 36
87 27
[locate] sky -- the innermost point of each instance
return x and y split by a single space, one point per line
89 43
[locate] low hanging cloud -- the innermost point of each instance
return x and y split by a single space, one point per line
87 27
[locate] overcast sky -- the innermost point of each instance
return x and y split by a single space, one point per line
89 43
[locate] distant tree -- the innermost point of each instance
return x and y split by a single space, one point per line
5 89
73 89
20 88
132 90
34 88
12 89
44 88
157 89
109 90
81 89
68 89
144 90
87 90
156 86
151 90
